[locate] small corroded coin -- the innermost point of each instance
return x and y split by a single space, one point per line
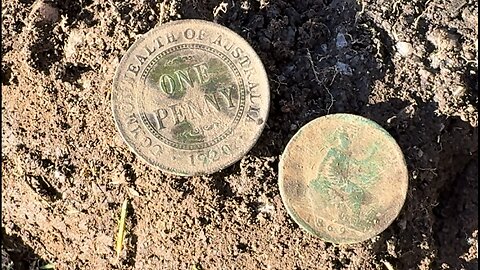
343 178
190 97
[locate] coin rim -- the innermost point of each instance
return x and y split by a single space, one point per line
304 225
259 128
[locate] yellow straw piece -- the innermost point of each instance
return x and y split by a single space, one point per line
121 228
48 266
388 265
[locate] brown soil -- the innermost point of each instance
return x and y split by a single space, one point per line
409 65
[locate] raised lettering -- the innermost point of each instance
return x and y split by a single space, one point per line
194 109
156 149
226 149
167 84
160 115
237 52
227 94
211 155
134 126
183 77
134 69
252 96
149 51
226 47
159 42
201 71
141 59
218 40
201 34
132 119
136 131
252 85
171 38
147 142
212 100
248 73
189 33
128 108
128 82
253 113
177 113
245 62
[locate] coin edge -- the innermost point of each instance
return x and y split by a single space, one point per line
216 168
292 213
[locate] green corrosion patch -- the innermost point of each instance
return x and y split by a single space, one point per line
219 77
177 73
170 75
185 132
343 180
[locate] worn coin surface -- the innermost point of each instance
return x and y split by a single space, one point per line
190 97
343 178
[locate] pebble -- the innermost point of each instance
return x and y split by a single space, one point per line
424 74
470 109
459 91
341 42
405 49
324 48
44 13
59 175
343 68
443 40
469 56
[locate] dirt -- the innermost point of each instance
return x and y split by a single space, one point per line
411 66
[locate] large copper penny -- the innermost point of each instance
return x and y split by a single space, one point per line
343 178
190 97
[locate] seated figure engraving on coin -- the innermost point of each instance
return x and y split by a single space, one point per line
343 178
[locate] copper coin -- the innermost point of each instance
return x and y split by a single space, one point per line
343 178
190 97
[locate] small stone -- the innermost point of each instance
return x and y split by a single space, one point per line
443 40
59 175
324 48
469 56
459 91
405 49
424 74
44 13
470 109
341 42
391 248
420 153
435 61
344 69
75 39
402 224
58 152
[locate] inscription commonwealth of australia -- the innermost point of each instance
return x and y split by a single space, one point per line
343 178
190 97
